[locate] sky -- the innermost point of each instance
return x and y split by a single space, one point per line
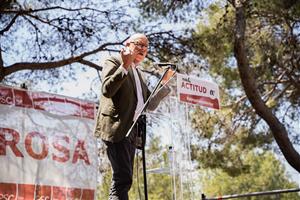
89 79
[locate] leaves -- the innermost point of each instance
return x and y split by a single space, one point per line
265 173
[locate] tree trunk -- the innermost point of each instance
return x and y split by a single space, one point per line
249 83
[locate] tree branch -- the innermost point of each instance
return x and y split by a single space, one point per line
90 64
1 59
47 65
1 65
10 11
9 25
249 83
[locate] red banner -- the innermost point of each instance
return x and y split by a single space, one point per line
47 148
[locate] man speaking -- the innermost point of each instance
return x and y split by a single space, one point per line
123 94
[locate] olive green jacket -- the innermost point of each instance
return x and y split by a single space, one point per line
118 101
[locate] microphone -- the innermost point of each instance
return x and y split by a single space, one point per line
166 65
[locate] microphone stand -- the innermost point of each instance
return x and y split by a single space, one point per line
144 132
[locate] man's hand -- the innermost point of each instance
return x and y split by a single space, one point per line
127 57
167 76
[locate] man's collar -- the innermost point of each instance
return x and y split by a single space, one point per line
136 66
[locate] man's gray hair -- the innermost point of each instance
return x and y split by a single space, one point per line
134 37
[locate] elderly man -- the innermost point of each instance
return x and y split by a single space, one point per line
123 95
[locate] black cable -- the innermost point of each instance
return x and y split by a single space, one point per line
137 174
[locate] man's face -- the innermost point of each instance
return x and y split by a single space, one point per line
139 47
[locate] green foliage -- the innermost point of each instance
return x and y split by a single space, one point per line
159 185
230 137
265 173
172 9
272 40
223 142
273 44
103 188
214 42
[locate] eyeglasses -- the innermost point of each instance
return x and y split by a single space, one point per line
139 45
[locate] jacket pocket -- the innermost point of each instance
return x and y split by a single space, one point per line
109 121
110 111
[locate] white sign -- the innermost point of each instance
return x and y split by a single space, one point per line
197 91
47 148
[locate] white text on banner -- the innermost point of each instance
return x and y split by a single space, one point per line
197 91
